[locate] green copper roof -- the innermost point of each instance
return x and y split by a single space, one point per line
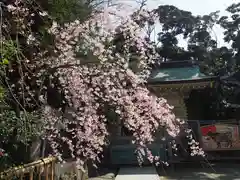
176 74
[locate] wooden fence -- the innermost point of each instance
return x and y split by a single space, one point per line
40 170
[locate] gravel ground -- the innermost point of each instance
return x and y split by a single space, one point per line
224 171
109 176
215 172
102 174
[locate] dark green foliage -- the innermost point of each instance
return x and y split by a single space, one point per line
197 32
64 11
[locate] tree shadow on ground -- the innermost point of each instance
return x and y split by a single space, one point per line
186 172
102 173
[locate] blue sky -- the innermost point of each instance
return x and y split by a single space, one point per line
197 7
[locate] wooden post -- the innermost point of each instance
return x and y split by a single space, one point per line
46 172
79 174
53 170
39 174
31 175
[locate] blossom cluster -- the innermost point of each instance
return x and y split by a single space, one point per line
108 80
97 66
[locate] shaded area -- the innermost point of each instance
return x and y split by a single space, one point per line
230 91
102 173
108 176
226 171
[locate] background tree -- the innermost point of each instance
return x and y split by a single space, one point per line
197 32
230 24
201 44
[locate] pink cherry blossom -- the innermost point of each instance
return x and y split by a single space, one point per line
95 77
